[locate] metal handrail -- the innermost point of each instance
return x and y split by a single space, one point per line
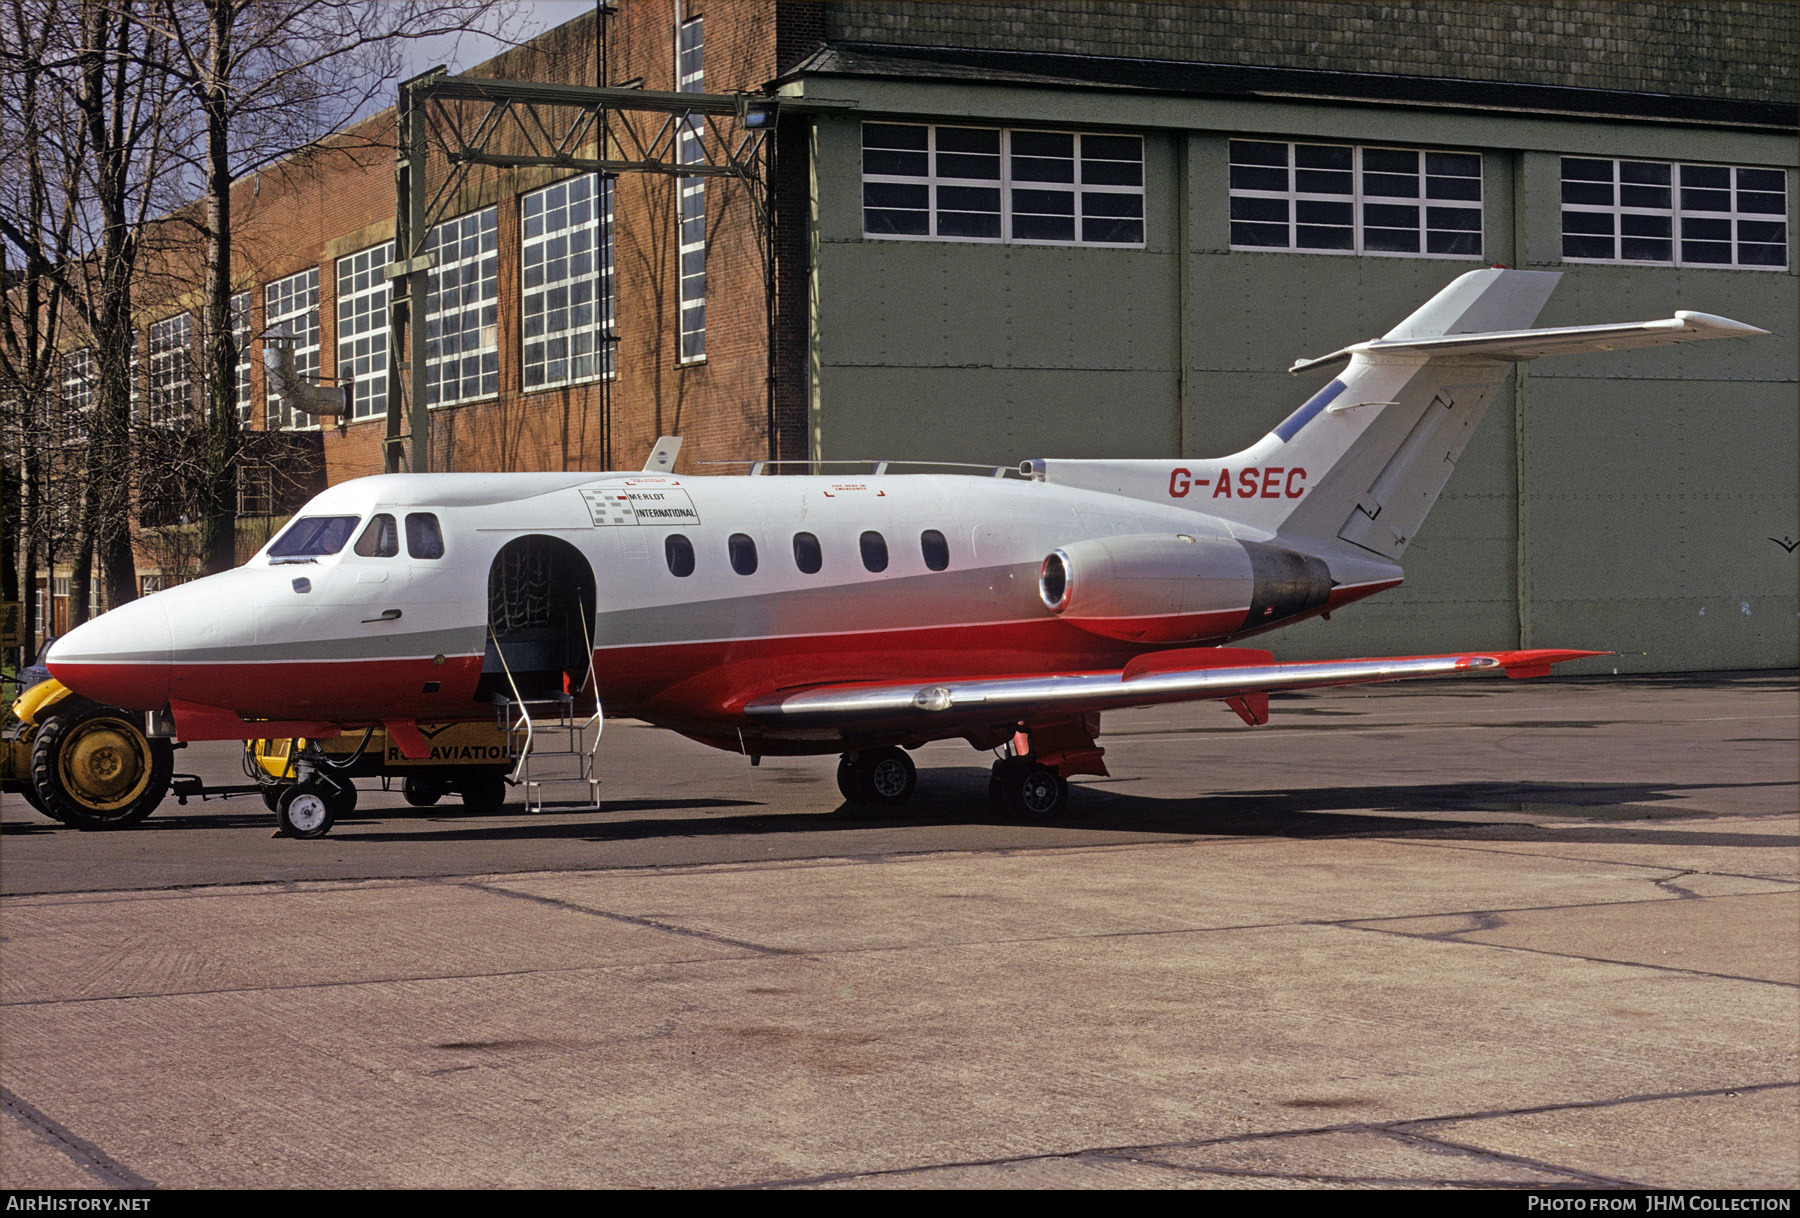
519 701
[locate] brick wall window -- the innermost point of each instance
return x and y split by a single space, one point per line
567 270
78 376
292 306
1673 214
1340 199
462 337
691 235
362 328
982 184
240 335
171 371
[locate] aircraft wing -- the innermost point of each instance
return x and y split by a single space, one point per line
1240 676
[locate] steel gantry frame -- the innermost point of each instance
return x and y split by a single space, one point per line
466 119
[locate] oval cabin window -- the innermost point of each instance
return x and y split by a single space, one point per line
807 555
680 553
743 553
935 549
874 551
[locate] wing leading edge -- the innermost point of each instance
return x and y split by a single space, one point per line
1227 674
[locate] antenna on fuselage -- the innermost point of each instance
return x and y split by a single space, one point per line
662 457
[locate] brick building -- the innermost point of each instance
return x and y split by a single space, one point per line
1003 231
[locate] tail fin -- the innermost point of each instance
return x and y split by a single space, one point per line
1364 459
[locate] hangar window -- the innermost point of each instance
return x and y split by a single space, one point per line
240 334
987 184
79 376
1337 198
679 552
567 268
171 371
1673 214
292 306
362 326
462 334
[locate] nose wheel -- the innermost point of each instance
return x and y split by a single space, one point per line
877 778
309 808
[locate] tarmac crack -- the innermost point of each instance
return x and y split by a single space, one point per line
81 1151
1453 937
1410 1130
631 920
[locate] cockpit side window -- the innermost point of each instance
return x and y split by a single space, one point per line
423 537
313 537
381 539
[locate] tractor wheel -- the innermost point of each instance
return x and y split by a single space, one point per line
95 769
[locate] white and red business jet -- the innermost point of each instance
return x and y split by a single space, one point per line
861 616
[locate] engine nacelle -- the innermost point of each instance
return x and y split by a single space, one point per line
1179 588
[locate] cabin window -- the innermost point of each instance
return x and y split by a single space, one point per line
807 555
313 536
680 554
935 549
381 539
423 538
743 553
874 551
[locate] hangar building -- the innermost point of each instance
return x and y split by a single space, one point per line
1009 231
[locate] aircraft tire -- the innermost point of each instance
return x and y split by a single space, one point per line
95 769
423 792
306 810
1028 790
878 778
484 793
342 793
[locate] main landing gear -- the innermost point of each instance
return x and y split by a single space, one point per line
877 778
1025 788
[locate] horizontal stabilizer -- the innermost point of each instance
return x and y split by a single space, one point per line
988 700
1684 327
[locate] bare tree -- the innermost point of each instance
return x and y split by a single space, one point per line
104 128
268 77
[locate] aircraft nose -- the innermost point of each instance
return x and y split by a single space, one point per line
120 658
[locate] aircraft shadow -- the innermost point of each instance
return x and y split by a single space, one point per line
958 797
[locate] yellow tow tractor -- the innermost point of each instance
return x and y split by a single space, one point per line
97 767
76 761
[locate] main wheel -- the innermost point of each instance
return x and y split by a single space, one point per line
1026 789
305 810
882 778
96 769
423 792
484 792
